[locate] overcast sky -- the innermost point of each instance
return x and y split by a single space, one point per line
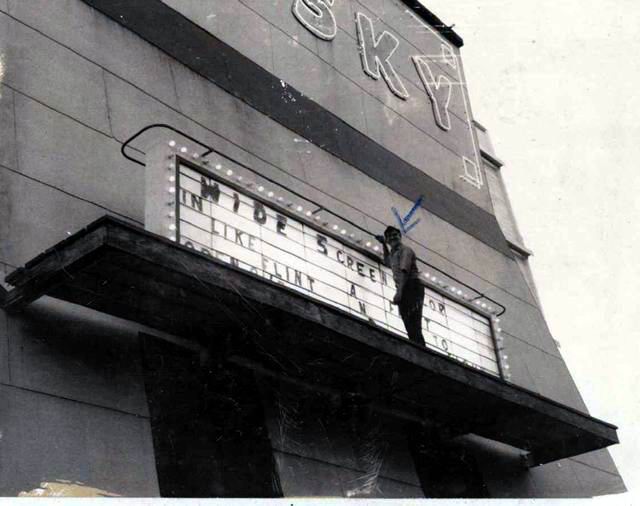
556 85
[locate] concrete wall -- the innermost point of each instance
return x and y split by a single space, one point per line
76 85
72 402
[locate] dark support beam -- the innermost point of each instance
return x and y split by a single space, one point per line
527 460
332 392
50 272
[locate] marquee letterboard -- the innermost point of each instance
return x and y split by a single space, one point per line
221 220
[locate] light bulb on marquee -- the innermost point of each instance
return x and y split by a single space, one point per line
172 144
183 149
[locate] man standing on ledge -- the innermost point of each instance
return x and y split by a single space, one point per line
409 289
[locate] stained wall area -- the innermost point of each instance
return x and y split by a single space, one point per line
75 85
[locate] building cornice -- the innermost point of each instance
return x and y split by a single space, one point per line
446 31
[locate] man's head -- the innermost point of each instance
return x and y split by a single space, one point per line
392 236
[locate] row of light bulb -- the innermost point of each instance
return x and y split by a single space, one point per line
171 189
171 202
457 291
281 200
500 343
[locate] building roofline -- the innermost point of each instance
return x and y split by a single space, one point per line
446 31
520 248
492 158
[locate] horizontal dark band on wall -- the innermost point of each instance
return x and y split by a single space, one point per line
207 55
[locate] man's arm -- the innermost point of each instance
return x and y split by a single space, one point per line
385 250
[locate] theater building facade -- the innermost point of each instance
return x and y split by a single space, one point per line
194 303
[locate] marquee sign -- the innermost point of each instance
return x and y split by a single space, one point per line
251 230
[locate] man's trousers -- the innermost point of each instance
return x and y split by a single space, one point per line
410 308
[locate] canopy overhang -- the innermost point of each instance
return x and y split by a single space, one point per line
122 270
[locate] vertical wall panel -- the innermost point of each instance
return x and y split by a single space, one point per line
52 74
72 352
61 152
37 217
5 376
47 438
7 127
77 26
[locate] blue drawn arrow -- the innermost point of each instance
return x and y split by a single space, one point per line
403 221
406 230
